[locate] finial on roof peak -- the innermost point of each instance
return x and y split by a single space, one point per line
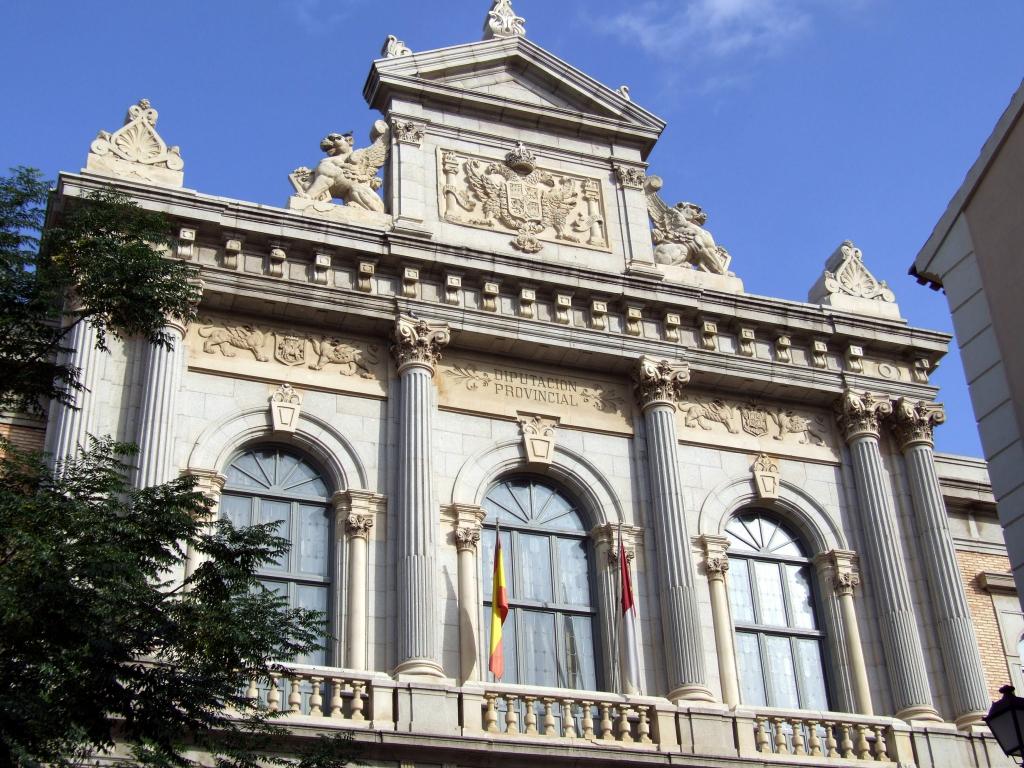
503 22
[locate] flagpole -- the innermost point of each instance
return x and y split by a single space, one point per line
618 613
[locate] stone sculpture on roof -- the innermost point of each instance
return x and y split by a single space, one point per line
503 22
393 47
679 235
847 284
136 150
346 173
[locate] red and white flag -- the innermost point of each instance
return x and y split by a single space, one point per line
630 660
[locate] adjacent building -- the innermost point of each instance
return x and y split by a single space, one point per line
509 325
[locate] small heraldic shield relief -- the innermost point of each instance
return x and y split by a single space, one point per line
285 408
755 420
523 199
290 350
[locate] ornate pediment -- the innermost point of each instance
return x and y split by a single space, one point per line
848 284
136 150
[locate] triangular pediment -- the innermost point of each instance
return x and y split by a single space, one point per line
515 76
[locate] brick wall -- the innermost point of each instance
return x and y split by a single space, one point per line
23 437
993 657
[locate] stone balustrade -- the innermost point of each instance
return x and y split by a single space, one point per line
834 735
342 697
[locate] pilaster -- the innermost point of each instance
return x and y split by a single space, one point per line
161 381
913 423
716 566
839 575
658 385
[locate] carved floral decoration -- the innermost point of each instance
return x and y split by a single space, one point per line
137 140
860 413
914 421
660 381
418 342
754 419
853 278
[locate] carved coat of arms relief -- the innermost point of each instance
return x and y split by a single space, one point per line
518 197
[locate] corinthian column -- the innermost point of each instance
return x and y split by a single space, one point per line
838 569
71 424
659 385
859 416
161 382
913 423
355 510
417 348
716 565
468 519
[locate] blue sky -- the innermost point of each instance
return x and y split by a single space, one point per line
796 124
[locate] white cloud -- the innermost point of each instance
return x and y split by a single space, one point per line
321 16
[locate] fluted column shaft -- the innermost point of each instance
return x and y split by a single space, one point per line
162 380
72 424
659 384
417 348
897 622
955 628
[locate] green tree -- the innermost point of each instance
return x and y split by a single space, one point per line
98 646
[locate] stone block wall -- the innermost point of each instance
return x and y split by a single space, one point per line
986 624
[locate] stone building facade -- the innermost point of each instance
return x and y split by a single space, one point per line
510 325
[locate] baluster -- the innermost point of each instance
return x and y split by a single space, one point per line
511 714
274 694
863 749
761 740
491 714
295 695
644 727
568 724
780 737
531 715
845 743
798 737
606 722
830 739
357 700
549 717
813 740
588 719
336 701
315 699
624 735
252 693
881 749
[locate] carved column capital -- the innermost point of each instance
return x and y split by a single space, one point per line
913 421
716 561
630 176
408 131
659 382
860 414
418 343
357 503
358 526
607 537
839 568
209 482
467 537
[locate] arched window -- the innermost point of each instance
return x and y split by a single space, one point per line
272 484
549 633
778 640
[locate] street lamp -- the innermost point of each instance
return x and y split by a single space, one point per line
1006 721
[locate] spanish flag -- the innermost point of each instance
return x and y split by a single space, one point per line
499 610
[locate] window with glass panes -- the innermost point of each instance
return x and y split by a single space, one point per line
271 484
779 644
549 632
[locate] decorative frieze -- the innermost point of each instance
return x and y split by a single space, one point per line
516 196
417 342
285 408
136 150
861 413
660 381
914 421
766 476
538 436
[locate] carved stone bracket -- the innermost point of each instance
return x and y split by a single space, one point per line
418 342
285 408
766 476
538 436
716 561
861 413
659 381
136 150
630 177
914 421
840 569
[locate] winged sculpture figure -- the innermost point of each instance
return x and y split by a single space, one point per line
679 235
346 173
